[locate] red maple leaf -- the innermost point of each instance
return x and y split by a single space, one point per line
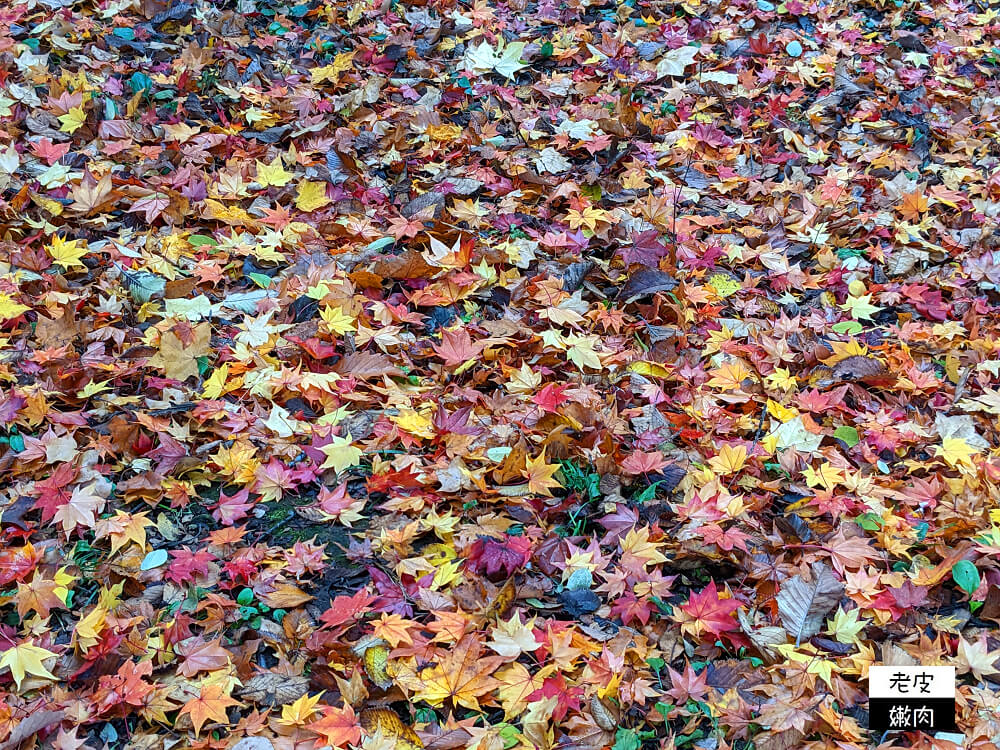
232 508
817 402
630 608
188 564
639 462
454 423
169 453
551 397
708 613
338 727
314 347
53 492
494 555
126 687
51 152
456 347
347 608
17 562
726 539
391 594
618 523
646 249
691 684
567 697
900 600
334 501
404 479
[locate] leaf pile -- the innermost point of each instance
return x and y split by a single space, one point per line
495 375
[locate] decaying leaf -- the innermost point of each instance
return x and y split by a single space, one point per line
803 604
272 689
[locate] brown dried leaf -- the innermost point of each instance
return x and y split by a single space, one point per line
271 689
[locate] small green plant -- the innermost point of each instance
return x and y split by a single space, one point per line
425 715
85 557
251 612
577 479
647 493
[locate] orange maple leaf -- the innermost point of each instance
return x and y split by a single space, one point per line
211 703
338 727
460 676
913 205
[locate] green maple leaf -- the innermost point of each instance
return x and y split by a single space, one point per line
860 308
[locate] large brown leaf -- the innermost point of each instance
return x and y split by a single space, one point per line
803 604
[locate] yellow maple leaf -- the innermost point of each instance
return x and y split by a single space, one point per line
299 712
229 214
810 656
525 380
24 659
239 461
637 544
337 321
860 307
827 476
782 379
845 626
215 384
730 460
468 210
273 174
729 377
72 120
340 454
516 684
956 451
539 475
67 253
322 73
342 62
443 133
87 632
415 423
93 388
63 581
311 195
9 308
581 351
131 527
589 217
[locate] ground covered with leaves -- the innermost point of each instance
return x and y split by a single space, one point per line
499 375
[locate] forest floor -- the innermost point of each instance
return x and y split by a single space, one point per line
496 375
